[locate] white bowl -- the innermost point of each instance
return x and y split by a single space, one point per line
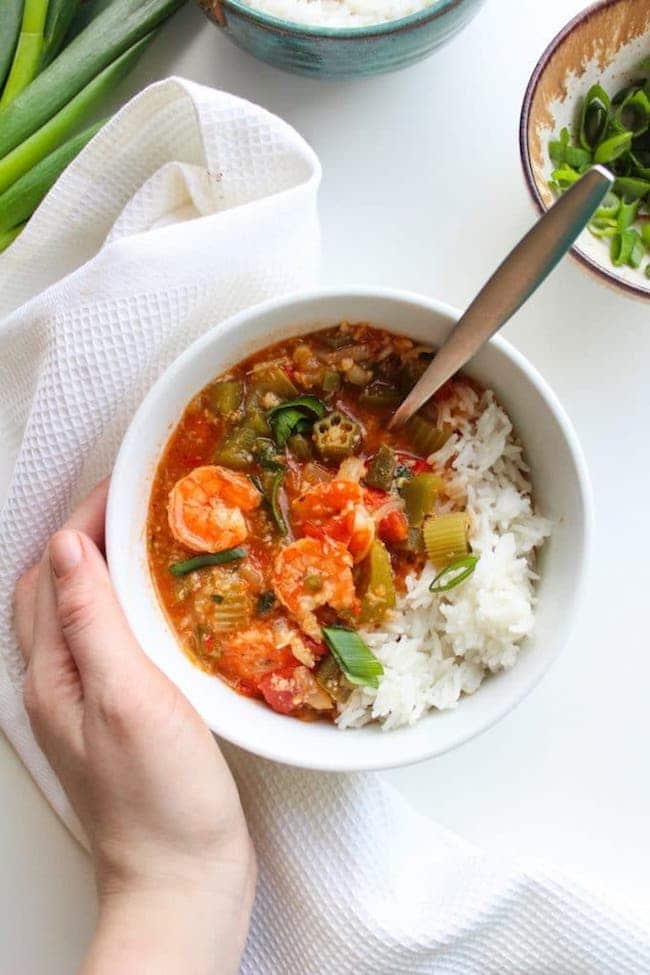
561 487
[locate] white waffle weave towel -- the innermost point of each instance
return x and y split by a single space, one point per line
188 206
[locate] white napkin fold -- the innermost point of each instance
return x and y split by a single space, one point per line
189 205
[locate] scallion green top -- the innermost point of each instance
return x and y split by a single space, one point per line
353 656
614 131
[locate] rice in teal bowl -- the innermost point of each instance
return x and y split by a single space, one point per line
340 38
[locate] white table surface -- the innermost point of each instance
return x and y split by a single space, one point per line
423 189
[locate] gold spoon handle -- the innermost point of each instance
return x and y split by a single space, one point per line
511 285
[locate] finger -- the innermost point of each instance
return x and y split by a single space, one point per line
91 619
24 608
89 516
52 691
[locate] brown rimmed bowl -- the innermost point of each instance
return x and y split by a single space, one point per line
605 43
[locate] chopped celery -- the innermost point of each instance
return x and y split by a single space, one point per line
226 396
256 420
232 612
235 450
300 446
425 437
382 469
272 379
379 396
331 380
420 494
379 587
331 678
445 537
413 542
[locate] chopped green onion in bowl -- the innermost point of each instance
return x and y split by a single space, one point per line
613 130
454 574
354 657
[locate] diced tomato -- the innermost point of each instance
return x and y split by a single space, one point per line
317 649
394 527
313 530
416 464
199 437
446 391
279 690
373 498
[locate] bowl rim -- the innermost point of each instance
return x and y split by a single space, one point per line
121 473
294 27
608 277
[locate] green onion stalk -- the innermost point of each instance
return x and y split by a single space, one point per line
21 199
60 16
51 135
27 57
614 131
11 16
9 236
110 34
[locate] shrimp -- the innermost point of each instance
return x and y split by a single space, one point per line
311 573
336 509
206 508
252 653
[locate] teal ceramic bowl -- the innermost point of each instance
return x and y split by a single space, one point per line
338 52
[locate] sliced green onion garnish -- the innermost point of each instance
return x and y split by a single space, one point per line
627 248
353 656
603 227
613 147
615 131
211 558
609 207
594 117
632 187
627 213
456 572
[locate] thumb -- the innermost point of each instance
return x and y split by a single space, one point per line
92 622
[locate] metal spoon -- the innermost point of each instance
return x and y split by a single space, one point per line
511 285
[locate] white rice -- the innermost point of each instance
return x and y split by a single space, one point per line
339 13
436 647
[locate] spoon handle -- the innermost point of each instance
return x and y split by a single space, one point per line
512 284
